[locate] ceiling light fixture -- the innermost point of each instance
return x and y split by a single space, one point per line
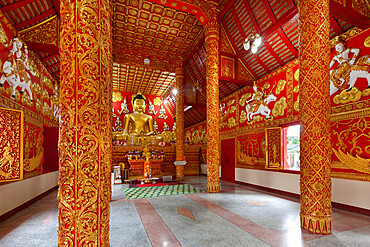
146 61
174 91
252 43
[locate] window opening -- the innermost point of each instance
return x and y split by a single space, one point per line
291 147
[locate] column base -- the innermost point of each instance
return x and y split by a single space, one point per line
317 224
213 188
180 169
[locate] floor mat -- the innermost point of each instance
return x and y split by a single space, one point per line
146 192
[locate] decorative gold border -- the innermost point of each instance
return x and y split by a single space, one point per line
267 150
21 146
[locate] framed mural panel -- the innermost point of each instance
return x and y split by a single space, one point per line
274 155
11 145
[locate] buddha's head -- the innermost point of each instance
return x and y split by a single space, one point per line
139 103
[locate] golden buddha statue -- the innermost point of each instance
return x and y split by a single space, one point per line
138 126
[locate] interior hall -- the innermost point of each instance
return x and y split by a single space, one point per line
188 123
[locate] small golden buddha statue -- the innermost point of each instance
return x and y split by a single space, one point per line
138 126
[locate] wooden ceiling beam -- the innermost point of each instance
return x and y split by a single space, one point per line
236 20
200 74
57 6
35 20
229 36
38 47
53 66
225 9
186 60
16 5
43 60
239 82
349 15
335 26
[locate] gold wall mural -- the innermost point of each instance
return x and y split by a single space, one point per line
11 145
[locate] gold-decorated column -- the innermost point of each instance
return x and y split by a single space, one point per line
85 142
180 128
315 183
213 139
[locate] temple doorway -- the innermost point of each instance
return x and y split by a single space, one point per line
228 160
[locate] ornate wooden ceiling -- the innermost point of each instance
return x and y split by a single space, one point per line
141 79
170 33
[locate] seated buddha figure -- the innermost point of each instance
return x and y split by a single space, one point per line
138 126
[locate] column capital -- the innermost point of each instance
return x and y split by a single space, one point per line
180 71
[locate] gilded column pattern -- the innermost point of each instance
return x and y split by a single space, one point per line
213 139
180 128
314 106
85 123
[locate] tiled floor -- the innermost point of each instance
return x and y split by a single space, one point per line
238 216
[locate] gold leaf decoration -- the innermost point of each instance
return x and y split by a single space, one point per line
26 100
296 89
231 122
157 101
117 96
280 86
244 98
32 65
243 116
232 109
279 107
367 42
296 75
9 92
45 95
345 97
3 37
38 105
231 102
296 104
36 88
47 82
357 163
366 92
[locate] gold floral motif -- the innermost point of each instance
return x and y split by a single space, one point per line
11 146
157 101
230 102
243 98
243 117
367 42
46 32
280 86
85 139
2 89
366 92
3 37
232 109
45 95
26 100
231 122
180 127
36 88
348 96
356 163
117 96
296 104
296 89
213 141
314 109
9 92
38 105
47 82
32 65
296 75
279 107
